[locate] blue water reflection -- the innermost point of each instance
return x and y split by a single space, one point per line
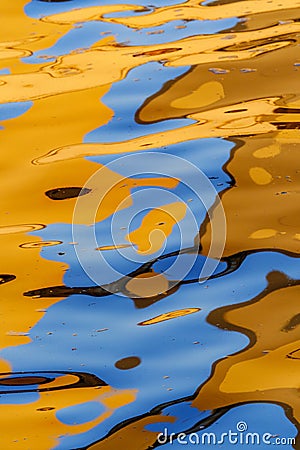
188 346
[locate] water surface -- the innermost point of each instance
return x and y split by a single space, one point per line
107 337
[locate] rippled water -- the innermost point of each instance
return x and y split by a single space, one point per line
120 126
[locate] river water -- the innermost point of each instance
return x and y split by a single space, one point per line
150 233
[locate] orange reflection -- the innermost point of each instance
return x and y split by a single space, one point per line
170 315
21 35
260 210
50 122
191 10
247 118
37 425
264 168
27 203
156 226
78 71
133 436
147 285
266 370
90 13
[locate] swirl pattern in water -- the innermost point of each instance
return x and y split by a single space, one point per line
150 233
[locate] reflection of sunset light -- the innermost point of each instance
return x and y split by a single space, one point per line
236 83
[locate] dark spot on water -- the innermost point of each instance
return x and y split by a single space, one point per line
65 291
294 354
46 408
286 125
291 324
5 278
19 382
161 51
24 381
287 110
236 110
66 193
128 363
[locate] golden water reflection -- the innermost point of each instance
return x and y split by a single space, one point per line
241 85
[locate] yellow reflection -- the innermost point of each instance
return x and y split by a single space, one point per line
25 207
37 425
204 95
67 105
267 152
46 123
19 313
89 13
260 175
267 370
275 370
170 315
247 118
264 168
191 10
156 226
21 35
115 194
78 71
20 228
40 244
260 209
148 284
134 435
263 234
242 81
112 247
